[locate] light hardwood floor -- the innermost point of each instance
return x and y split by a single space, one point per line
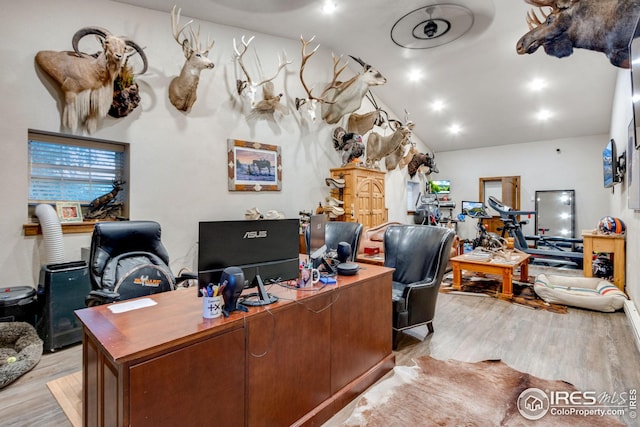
593 351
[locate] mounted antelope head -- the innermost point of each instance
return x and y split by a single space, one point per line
249 87
379 147
601 25
346 97
182 89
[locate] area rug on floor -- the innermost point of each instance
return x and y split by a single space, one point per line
67 391
452 393
490 285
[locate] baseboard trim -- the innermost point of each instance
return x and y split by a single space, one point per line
634 320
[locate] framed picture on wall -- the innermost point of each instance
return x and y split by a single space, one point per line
254 166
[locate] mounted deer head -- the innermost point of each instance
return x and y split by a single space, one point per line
249 87
182 89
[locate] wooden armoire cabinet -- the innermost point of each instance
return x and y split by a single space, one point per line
363 195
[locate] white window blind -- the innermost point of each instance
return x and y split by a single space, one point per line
73 169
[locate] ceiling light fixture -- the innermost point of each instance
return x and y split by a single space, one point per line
537 84
437 105
415 75
431 26
544 115
455 129
329 7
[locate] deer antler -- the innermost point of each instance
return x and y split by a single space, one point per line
532 18
305 58
193 43
282 62
336 73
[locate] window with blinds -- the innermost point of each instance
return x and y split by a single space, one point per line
74 169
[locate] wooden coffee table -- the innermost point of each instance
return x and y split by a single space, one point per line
496 265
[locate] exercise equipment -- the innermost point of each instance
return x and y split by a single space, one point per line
546 247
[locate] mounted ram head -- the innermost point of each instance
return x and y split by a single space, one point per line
87 80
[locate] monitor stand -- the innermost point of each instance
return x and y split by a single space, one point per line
260 298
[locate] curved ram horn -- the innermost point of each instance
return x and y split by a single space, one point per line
138 49
98 31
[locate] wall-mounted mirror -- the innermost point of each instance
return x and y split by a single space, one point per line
555 213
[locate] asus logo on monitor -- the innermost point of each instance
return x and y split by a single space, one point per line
255 234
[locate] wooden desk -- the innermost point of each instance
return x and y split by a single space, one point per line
377 259
295 362
467 262
607 243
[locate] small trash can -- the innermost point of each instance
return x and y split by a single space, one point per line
18 304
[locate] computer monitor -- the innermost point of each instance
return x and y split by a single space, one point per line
265 250
317 225
474 209
441 186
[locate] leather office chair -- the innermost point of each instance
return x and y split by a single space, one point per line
128 260
419 255
336 232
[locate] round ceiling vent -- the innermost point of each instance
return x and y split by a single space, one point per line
431 26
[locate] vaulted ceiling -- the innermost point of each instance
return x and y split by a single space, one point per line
482 84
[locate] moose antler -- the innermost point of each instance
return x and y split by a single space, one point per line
241 85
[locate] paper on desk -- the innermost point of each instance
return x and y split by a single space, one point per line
131 305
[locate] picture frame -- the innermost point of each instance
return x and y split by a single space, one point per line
69 211
254 166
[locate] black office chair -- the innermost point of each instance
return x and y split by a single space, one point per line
336 232
419 255
128 260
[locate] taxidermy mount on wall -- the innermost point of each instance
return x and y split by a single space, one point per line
379 147
183 88
338 98
605 26
87 80
270 102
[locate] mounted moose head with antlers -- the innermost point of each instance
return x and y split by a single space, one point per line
270 101
87 80
183 88
338 98
601 25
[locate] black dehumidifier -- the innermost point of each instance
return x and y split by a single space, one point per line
61 290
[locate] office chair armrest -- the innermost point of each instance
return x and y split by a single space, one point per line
186 276
99 297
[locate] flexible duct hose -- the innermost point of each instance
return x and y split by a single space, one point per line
52 233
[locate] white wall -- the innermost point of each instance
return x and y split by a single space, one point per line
178 161
577 166
620 117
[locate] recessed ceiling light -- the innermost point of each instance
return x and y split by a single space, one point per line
415 75
329 7
635 98
455 128
543 114
537 84
437 105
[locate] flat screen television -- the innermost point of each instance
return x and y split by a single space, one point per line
610 164
474 209
442 186
265 250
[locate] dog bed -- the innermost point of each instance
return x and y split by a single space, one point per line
20 350
585 292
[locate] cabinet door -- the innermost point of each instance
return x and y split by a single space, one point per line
205 380
369 201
